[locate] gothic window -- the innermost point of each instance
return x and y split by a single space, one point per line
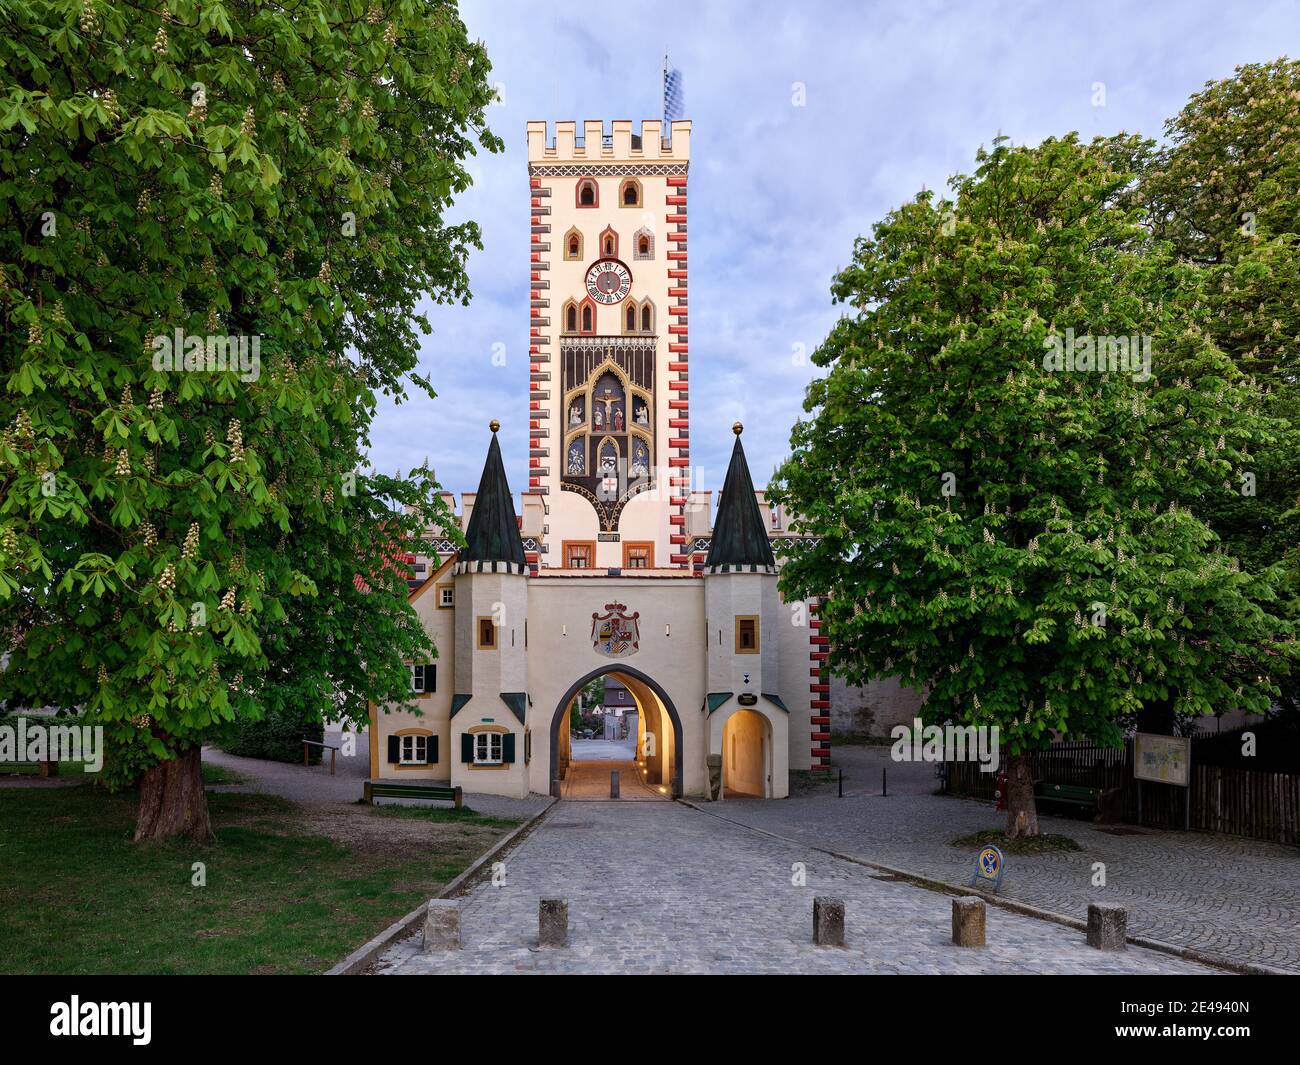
629 195
647 317
573 244
608 243
588 317
643 244
588 195
631 318
570 317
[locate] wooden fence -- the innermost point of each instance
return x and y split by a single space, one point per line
1238 802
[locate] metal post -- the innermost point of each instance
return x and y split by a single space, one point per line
884 780
841 783
1138 784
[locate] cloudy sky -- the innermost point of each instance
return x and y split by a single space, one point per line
811 121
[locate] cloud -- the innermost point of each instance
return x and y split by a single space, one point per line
895 96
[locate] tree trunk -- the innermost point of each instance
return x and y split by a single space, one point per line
1022 811
172 802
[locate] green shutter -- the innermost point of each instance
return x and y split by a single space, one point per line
508 747
431 751
466 747
394 748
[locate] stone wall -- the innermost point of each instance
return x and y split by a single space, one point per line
873 709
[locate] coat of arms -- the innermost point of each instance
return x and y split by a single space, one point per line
615 633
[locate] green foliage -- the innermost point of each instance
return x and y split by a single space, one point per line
976 517
277 735
1226 193
171 540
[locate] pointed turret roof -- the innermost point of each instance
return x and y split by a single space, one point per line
493 533
739 536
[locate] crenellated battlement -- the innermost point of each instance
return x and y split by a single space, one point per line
593 139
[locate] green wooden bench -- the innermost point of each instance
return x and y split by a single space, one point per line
1068 794
392 789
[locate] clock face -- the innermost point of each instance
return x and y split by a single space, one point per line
608 281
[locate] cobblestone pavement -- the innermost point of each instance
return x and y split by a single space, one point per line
1225 895
589 781
663 888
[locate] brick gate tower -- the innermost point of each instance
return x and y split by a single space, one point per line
609 405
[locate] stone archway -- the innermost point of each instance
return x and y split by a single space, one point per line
561 710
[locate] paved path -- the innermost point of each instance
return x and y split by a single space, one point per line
663 888
309 784
1229 896
589 782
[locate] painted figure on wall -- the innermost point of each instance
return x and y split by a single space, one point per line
598 418
618 419
577 461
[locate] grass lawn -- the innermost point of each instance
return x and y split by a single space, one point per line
290 889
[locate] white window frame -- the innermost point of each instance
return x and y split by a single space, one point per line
447 595
423 688
417 745
488 748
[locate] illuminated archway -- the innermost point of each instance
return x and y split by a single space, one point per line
625 672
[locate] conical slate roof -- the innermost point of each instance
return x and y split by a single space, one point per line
739 535
493 533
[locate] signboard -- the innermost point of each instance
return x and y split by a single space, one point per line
988 869
747 699
1165 759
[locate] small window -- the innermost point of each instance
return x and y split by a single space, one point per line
747 635
487 634
571 318
643 247
415 750
487 748
587 323
630 194
573 244
643 244
609 246
638 555
579 556
587 194
647 318
446 596
631 318
424 678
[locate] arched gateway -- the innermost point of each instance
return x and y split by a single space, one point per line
558 720
618 562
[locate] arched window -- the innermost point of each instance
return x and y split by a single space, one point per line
570 319
608 243
588 319
631 318
629 193
588 194
643 244
573 244
647 317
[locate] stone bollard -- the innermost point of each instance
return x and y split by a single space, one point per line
442 925
1107 927
613 783
968 922
553 922
828 921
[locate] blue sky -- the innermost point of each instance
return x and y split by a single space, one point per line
895 96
